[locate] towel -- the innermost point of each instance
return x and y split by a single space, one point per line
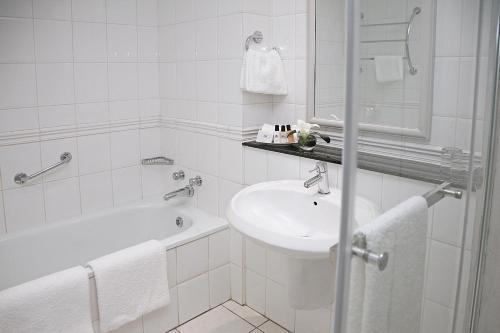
389 68
391 300
130 283
56 303
263 73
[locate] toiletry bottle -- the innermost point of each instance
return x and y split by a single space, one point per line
290 134
283 138
276 136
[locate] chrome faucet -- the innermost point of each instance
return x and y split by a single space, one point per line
321 178
187 191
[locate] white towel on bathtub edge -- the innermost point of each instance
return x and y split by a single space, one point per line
58 302
130 283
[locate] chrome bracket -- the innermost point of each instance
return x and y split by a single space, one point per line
359 249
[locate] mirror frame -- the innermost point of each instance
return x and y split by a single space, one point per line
335 127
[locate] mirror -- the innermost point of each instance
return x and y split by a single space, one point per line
396 66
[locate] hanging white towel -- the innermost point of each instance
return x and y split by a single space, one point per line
389 68
56 303
263 73
130 283
391 300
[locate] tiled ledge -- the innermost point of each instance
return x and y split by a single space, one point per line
400 167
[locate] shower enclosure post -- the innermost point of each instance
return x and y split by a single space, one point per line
349 162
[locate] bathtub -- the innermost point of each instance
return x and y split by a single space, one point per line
25 256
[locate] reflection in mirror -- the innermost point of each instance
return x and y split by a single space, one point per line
397 51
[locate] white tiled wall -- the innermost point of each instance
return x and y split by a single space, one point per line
78 76
195 285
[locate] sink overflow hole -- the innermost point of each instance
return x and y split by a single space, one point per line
315 203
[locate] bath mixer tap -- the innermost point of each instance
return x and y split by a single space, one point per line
186 191
321 178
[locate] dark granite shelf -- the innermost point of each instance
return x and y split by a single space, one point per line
422 171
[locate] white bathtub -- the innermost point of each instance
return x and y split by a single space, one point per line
29 255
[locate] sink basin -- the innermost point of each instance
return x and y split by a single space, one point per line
292 219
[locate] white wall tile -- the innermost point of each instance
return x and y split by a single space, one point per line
220 285
53 41
312 321
96 192
192 259
237 283
125 148
89 10
16 38
2 215
62 199
283 167
207 152
236 244
119 110
206 38
89 41
184 10
255 166
92 113
56 115
16 8
148 80
17 217
52 9
255 257
193 297
172 267
256 291
227 190
127 185
206 79
446 80
277 308
55 84
230 6
121 11
17 85
122 81
277 266
18 119
219 249
122 43
436 318
447 25
230 37
148 44
208 194
231 160
147 12
186 41
94 153
441 273
91 82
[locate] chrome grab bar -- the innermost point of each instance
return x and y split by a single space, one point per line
22 178
359 243
416 11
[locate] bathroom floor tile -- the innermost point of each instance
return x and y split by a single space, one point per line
270 327
217 320
248 314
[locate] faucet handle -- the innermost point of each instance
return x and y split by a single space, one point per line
196 181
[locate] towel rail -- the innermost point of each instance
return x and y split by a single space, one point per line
406 40
359 243
22 178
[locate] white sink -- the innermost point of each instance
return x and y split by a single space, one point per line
292 219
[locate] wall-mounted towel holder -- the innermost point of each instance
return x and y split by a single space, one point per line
359 243
22 178
257 37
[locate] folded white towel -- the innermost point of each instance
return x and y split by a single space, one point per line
130 283
389 68
391 301
263 73
54 303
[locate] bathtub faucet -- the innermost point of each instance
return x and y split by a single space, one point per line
187 191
